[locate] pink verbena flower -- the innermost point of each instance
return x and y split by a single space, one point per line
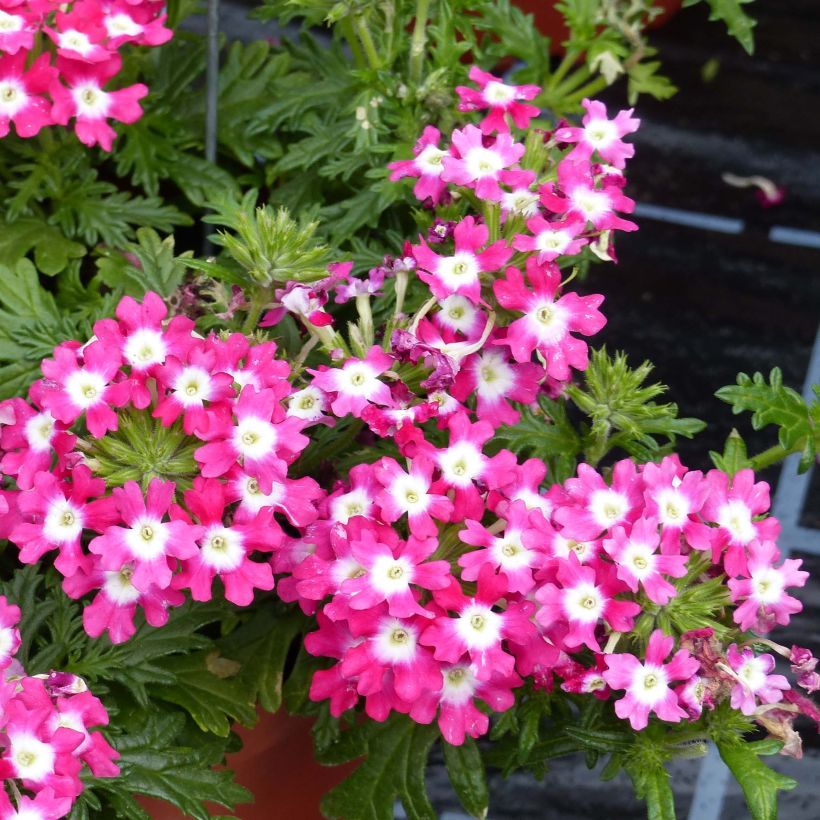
501 99
225 549
147 539
90 105
460 273
9 634
81 382
478 629
552 239
548 323
479 166
635 554
55 515
21 92
412 493
753 683
647 684
600 134
765 601
356 383
80 34
427 164
17 29
585 598
129 23
45 805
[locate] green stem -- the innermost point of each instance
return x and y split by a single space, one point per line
492 217
346 27
419 41
367 42
772 456
576 79
563 67
258 302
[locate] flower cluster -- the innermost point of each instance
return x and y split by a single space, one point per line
58 58
153 461
46 734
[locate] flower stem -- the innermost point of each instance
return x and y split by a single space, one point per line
418 42
593 87
257 304
346 27
367 42
563 67
772 456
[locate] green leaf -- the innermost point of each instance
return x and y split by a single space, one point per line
738 23
152 766
734 457
52 250
465 769
394 767
214 702
760 784
645 79
774 403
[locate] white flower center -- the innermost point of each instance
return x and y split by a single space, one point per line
63 522
649 684
147 538
349 505
32 759
192 386
768 585
85 388
118 586
533 501
430 161
74 40
592 204
509 552
479 627
736 517
458 270
608 507
461 463
144 347
10 22
358 379
254 438
6 641
391 576
91 101
457 313
520 202
752 674
673 507
495 378
395 642
583 603
459 684
40 431
640 560
306 404
410 494
548 321
553 241
13 97
222 549
118 25
600 133
498 93
254 499
483 162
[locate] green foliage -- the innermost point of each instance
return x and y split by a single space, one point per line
775 403
760 784
734 456
468 776
395 761
738 23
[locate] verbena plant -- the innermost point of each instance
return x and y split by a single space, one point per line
302 473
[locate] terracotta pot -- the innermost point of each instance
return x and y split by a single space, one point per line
551 24
276 763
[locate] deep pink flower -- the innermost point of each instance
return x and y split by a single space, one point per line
753 683
601 134
548 323
9 634
90 105
56 513
356 383
129 23
45 805
765 601
427 164
460 273
478 166
80 33
647 684
21 90
551 239
501 99
147 539
17 29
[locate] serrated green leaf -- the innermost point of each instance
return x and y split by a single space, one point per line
738 23
52 250
760 784
393 769
734 457
466 771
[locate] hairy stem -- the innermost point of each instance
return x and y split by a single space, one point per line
419 41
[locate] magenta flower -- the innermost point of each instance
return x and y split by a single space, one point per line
427 164
753 683
17 30
552 239
21 100
263 439
478 629
524 487
737 505
129 23
90 105
79 34
638 564
460 273
80 381
55 514
412 493
521 199
9 634
647 684
765 601
478 166
548 323
45 805
601 134
224 550
356 383
146 540
501 99
585 598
